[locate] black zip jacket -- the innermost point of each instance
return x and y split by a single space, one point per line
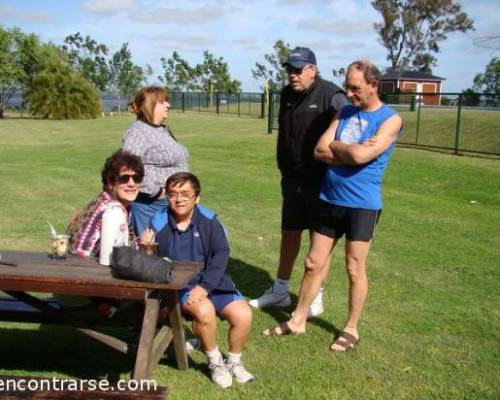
303 118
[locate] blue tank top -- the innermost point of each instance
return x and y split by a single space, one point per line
358 186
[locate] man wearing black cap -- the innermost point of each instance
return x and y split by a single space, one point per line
308 104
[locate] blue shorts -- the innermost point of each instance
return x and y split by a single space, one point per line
219 299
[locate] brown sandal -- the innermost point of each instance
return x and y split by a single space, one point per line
280 330
345 340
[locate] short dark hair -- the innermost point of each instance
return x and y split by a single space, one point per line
180 178
115 162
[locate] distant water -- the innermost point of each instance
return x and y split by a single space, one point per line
109 102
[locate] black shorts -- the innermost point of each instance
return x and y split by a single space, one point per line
300 200
357 224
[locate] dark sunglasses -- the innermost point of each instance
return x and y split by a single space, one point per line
297 71
125 178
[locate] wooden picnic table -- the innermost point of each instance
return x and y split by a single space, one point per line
160 323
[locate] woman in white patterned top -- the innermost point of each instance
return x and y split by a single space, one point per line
159 150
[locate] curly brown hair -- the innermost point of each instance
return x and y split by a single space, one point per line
115 162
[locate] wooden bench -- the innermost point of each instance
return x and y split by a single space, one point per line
159 323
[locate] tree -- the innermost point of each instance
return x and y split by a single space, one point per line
424 62
51 88
178 75
212 75
489 81
147 71
125 76
470 98
414 28
11 73
57 91
88 57
271 68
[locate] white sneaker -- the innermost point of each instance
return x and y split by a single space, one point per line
193 344
270 298
239 372
220 374
316 307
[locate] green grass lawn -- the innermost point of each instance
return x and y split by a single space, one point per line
431 326
479 129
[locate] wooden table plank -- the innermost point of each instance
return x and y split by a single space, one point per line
78 271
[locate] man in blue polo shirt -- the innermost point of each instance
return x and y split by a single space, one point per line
190 232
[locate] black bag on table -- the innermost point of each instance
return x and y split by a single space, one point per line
128 263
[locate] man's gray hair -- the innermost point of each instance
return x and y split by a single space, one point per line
369 70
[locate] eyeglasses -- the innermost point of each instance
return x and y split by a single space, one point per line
297 71
125 178
180 195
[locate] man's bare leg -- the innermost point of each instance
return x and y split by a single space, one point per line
315 270
356 256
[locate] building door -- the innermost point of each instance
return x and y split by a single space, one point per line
430 99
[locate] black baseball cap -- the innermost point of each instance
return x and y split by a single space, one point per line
299 57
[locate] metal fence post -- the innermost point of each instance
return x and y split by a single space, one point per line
238 103
217 102
418 117
459 118
183 101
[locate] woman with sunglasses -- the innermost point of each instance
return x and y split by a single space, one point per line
159 150
104 222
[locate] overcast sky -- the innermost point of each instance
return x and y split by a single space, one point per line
242 31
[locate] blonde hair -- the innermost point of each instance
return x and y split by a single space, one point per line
369 70
145 102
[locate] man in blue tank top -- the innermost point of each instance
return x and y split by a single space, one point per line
356 147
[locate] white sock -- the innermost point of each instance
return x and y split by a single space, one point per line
281 286
214 356
235 358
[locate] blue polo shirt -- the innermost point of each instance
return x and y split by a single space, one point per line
184 245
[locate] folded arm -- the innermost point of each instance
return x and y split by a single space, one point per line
358 154
322 151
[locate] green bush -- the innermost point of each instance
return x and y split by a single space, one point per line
57 91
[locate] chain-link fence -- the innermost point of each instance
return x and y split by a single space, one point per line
251 104
247 103
458 122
